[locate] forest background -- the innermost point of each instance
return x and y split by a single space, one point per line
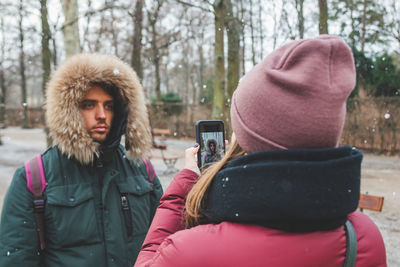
190 55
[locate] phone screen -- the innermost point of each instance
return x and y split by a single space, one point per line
211 138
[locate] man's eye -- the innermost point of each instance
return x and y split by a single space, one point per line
109 106
86 105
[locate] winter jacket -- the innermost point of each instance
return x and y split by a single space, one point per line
256 213
99 202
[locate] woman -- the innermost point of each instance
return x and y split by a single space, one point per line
284 194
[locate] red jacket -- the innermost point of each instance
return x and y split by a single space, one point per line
168 244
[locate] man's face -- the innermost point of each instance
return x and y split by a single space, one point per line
212 147
97 109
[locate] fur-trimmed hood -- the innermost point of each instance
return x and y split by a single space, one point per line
209 141
67 87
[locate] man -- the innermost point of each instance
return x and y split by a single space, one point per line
211 154
99 200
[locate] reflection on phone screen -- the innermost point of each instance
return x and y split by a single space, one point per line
212 147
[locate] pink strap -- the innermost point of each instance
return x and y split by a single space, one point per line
28 172
150 170
41 171
28 176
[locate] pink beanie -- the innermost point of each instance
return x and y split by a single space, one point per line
296 97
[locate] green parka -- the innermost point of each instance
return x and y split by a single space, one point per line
99 202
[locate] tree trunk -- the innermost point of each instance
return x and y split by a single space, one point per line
2 78
260 29
22 67
243 40
46 55
70 28
233 58
114 32
300 17
54 46
323 16
202 83
153 17
219 59
136 60
253 50
363 26
276 29
233 48
100 32
86 31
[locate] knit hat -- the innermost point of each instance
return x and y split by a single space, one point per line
296 97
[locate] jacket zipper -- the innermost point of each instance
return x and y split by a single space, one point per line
126 210
100 167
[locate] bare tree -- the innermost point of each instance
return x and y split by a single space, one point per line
153 18
22 64
136 59
54 43
260 28
114 31
372 22
300 16
233 34
219 60
253 41
366 19
2 76
100 33
323 16
277 21
200 50
70 28
242 38
393 22
46 54
86 31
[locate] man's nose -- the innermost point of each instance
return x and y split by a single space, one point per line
100 113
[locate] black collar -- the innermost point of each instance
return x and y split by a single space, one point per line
292 190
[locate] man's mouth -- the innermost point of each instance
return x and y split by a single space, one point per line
100 128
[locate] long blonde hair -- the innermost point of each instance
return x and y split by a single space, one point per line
196 199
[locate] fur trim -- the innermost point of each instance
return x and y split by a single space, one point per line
69 84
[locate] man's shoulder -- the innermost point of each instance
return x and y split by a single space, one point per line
53 157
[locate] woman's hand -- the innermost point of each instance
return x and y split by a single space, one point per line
191 159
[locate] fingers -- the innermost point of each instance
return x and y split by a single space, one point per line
191 158
191 151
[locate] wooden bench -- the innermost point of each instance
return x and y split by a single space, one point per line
159 142
370 202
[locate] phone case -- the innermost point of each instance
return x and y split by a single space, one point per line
212 127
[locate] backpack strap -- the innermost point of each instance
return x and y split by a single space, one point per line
150 170
351 244
36 183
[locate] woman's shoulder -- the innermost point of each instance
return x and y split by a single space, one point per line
369 239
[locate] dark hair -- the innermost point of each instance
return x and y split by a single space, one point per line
110 89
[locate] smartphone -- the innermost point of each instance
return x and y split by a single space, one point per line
210 135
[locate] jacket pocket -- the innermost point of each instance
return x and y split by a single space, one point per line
70 215
137 195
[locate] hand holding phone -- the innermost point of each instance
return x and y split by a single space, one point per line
190 159
210 136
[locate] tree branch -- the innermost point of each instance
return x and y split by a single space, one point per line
192 5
